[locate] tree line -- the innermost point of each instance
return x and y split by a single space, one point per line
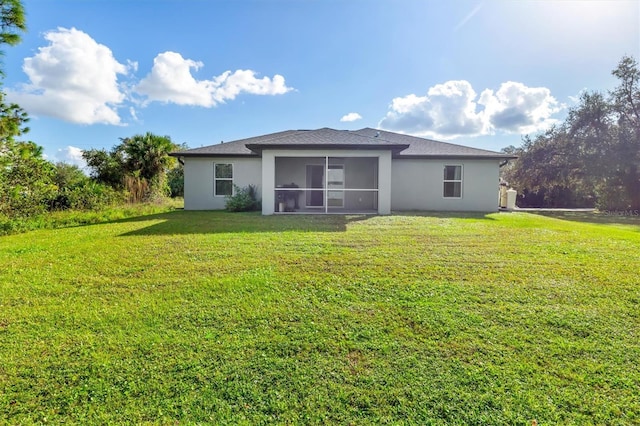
136 169
592 159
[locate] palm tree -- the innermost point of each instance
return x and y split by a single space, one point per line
147 157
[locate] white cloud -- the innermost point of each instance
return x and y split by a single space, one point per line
352 116
516 108
448 110
133 113
453 109
132 65
170 80
74 78
71 155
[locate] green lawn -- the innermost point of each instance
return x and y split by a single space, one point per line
198 317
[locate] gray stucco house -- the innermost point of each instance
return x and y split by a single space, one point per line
343 171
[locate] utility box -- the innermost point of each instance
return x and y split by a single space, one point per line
502 197
511 199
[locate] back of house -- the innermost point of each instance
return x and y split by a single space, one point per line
343 171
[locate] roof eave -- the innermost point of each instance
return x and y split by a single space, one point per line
454 156
212 154
258 148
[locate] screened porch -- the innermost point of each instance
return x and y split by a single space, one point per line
326 185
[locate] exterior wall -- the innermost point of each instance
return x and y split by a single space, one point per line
198 180
384 183
294 169
417 184
403 184
268 182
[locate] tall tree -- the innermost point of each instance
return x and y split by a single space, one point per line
25 181
106 167
13 121
12 22
68 175
588 131
147 157
625 103
25 177
549 173
593 156
12 117
148 154
626 97
139 164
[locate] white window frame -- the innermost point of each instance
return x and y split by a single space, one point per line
216 179
445 181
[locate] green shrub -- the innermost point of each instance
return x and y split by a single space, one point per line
93 196
245 199
612 197
175 177
87 195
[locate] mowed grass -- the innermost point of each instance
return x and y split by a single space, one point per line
211 317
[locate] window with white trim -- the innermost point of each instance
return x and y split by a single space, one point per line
222 179
452 187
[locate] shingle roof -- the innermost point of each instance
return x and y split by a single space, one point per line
232 148
325 138
421 147
403 146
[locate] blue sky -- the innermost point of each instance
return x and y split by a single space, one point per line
479 73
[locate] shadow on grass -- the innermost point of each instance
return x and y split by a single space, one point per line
211 222
629 218
446 214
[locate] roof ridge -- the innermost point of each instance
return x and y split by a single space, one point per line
355 132
429 140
